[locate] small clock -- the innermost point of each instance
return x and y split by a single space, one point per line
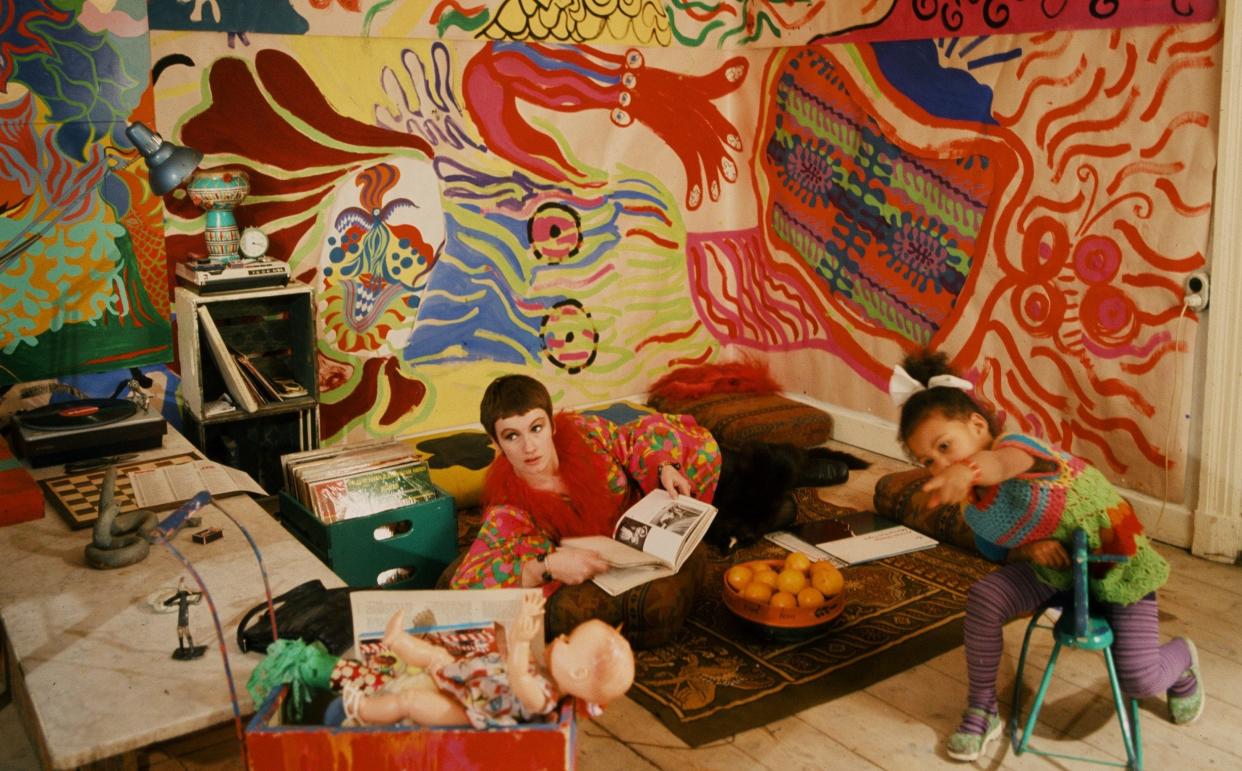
253 244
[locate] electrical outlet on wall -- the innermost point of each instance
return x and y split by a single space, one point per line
1197 285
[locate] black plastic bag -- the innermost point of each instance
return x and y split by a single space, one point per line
309 612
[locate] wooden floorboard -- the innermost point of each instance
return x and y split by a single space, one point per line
901 722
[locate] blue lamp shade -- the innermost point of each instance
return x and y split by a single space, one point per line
168 164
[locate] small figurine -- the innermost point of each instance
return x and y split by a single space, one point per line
594 663
186 649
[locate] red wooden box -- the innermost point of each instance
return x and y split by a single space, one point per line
274 747
21 500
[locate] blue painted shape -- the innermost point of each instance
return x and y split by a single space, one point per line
914 69
90 81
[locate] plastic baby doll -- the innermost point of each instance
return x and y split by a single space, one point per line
594 663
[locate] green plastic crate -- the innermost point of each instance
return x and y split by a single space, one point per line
354 551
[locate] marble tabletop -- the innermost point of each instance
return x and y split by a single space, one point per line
94 673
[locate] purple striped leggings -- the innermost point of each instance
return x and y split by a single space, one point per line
1144 666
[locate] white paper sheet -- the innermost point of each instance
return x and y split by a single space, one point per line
166 485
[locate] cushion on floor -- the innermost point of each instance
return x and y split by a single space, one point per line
899 496
739 402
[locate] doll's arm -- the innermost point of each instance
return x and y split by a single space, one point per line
528 687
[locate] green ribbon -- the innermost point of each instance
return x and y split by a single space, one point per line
303 667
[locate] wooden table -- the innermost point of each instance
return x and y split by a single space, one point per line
89 660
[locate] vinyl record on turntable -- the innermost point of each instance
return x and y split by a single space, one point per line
85 428
64 416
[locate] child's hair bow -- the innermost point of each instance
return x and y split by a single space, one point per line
901 386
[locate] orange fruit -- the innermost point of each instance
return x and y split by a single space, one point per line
757 591
822 565
783 600
765 575
739 576
828 582
791 580
810 597
796 560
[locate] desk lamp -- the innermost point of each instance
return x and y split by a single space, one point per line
168 164
216 191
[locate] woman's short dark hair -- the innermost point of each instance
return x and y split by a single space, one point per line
511 395
953 403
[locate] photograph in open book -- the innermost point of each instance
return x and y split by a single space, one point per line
652 539
631 532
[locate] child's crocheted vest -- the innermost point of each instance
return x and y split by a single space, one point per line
1052 504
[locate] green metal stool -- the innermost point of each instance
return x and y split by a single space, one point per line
1077 628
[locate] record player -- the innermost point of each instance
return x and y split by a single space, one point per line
204 275
85 428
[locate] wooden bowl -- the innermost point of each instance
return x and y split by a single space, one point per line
782 624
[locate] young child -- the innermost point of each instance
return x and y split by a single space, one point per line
1024 498
594 663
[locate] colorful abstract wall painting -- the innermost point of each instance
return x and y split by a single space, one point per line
83 272
593 196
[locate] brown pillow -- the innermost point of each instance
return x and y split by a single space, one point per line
734 418
899 496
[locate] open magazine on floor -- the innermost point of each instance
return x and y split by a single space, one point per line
652 539
853 539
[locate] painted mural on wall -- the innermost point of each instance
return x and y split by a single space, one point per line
682 23
596 213
83 274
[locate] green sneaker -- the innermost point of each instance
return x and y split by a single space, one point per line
1187 709
973 735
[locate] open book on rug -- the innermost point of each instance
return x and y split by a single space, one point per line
852 539
652 539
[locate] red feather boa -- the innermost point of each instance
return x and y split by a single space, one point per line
686 384
590 508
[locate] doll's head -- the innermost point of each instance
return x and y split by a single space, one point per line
941 423
593 662
511 395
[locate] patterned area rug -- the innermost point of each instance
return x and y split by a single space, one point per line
719 677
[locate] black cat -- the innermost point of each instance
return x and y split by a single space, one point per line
756 479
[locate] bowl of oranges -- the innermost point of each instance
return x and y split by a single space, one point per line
785 599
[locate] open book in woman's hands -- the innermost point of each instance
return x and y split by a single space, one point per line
652 539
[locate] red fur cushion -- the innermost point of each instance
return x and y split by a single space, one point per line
687 384
740 402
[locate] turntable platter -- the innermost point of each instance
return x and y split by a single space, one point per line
65 416
86 428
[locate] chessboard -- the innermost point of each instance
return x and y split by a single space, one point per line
76 496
